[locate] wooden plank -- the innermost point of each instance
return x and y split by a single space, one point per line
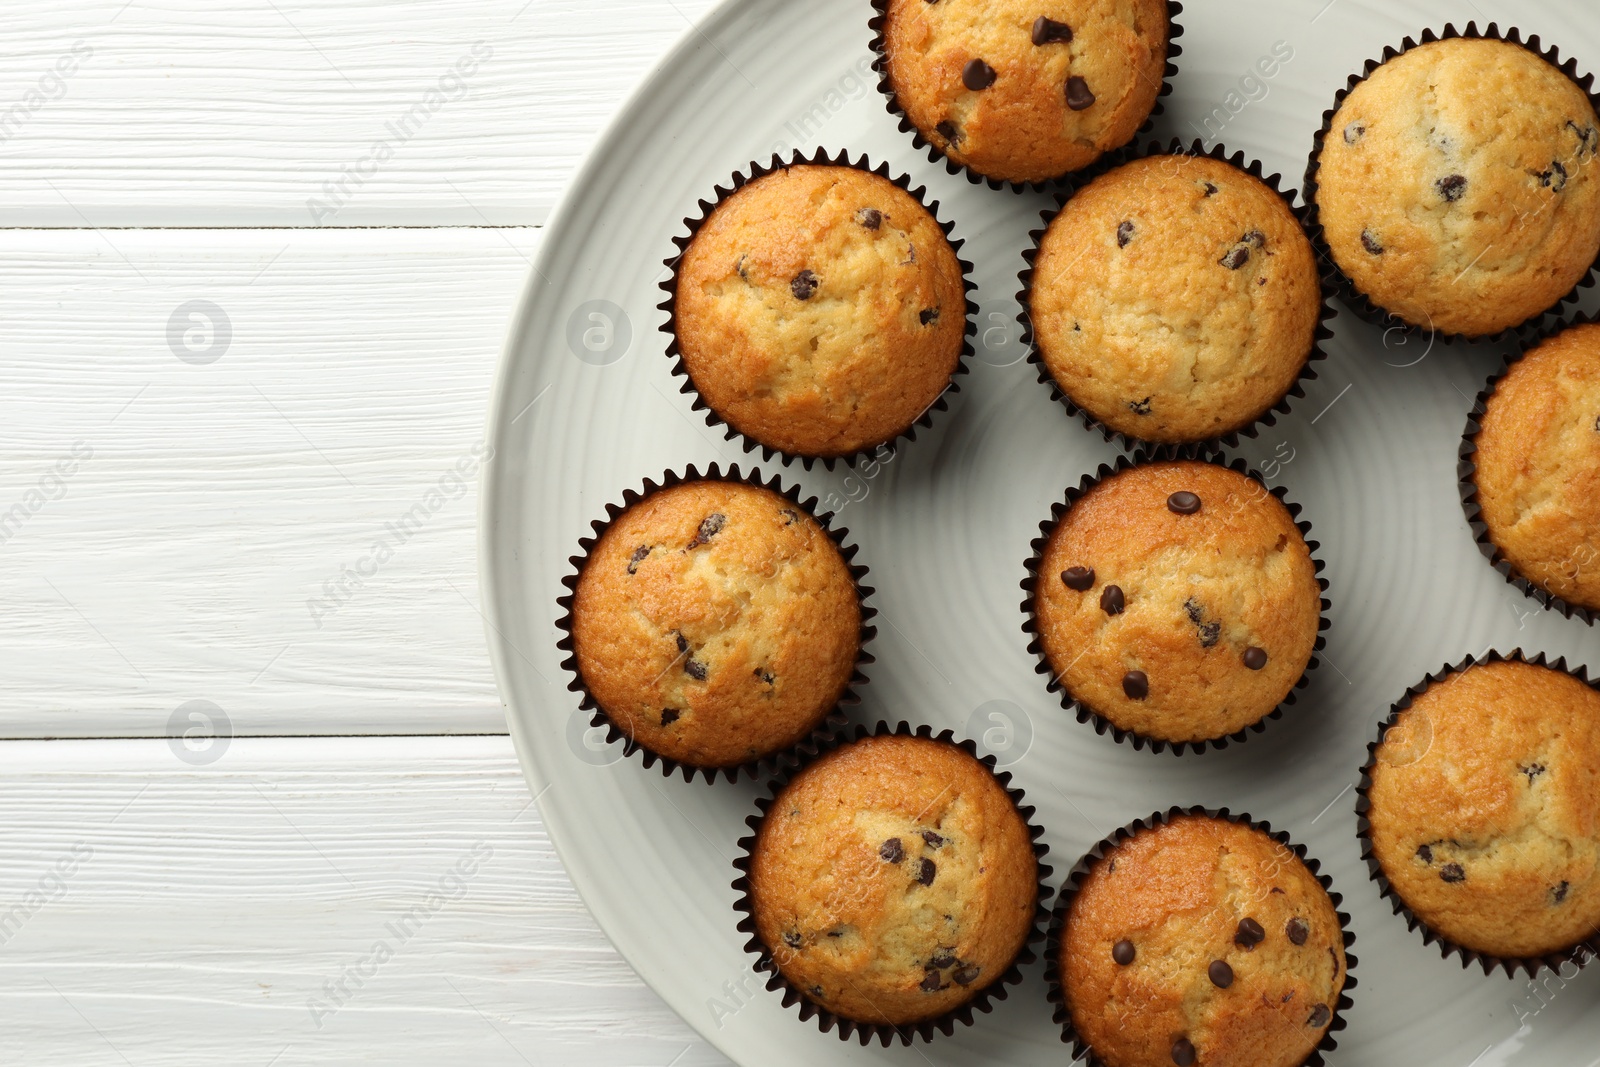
240 112
185 506
153 911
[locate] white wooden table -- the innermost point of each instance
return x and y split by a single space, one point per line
257 258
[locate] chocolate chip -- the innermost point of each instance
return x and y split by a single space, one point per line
1319 1016
1533 770
1334 956
804 284
710 526
870 217
1453 872
1136 684
1250 934
1425 853
637 558
1255 658
766 676
1183 1052
925 871
1194 609
1079 98
816 991
1554 179
1558 893
694 669
1588 139
1124 233
1112 602
669 716
931 982
792 939
1452 187
1370 242
928 315
932 839
1211 190
1049 31
789 517
966 975
1079 578
1140 407
1297 931
740 267
943 958
1236 258
1354 132
1123 953
977 75
1210 634
1255 239
1183 503
948 131
683 645
1220 973
892 851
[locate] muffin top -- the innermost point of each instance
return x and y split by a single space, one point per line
1456 187
1485 809
716 622
1175 299
1178 600
820 310
1538 463
1201 941
893 879
1026 90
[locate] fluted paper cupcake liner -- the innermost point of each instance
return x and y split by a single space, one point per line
1357 301
693 226
765 766
892 100
1579 954
864 1032
1030 626
1120 158
1467 470
1074 882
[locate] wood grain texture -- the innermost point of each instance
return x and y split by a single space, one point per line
154 912
204 542
237 112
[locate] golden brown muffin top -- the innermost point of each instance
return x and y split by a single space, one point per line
1178 626
716 622
1538 463
1457 186
1486 809
1026 90
893 879
1175 298
820 310
1205 932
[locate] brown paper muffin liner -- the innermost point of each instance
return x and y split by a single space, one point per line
1579 954
864 1032
825 731
1087 714
1111 161
892 100
1467 469
1357 301
693 225
1074 882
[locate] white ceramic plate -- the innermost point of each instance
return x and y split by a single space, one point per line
586 407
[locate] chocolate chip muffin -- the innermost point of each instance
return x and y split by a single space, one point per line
893 879
715 623
1177 600
1485 809
1025 90
1175 299
1457 189
1538 466
820 310
1201 941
